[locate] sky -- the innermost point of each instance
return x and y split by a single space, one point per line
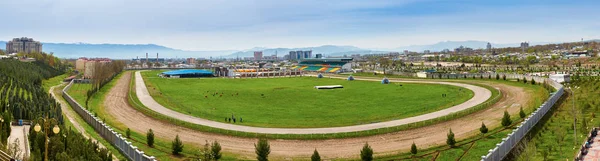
244 24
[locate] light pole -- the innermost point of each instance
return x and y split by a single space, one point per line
46 122
574 114
1 122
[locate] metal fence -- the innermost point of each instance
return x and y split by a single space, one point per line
508 143
130 151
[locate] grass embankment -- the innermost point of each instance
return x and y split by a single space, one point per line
162 147
553 137
89 131
295 103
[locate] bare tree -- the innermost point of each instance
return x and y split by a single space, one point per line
14 150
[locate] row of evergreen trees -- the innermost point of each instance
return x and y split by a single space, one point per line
23 97
21 90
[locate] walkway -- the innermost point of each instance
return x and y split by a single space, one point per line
20 133
480 95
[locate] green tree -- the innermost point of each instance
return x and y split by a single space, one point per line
522 113
506 119
532 81
483 129
177 146
315 156
262 149
128 133
525 80
497 76
504 77
150 138
216 150
366 153
413 148
450 139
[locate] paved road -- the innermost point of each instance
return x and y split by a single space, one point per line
480 95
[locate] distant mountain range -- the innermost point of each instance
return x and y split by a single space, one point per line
128 51
451 45
120 51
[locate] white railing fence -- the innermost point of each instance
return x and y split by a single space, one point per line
508 143
121 143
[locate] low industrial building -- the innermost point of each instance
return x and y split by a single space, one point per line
187 73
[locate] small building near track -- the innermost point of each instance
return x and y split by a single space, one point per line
561 78
187 73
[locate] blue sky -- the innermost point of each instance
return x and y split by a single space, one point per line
243 24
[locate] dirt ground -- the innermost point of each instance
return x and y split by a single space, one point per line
116 105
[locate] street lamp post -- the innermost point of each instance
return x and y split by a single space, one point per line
1 122
574 114
46 122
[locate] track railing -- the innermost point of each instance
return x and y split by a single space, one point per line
510 141
121 143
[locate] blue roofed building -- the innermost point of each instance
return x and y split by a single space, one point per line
187 73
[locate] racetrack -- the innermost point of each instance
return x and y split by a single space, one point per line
116 104
480 95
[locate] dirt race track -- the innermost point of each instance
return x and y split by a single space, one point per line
116 104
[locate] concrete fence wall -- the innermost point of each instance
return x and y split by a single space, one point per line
121 143
508 143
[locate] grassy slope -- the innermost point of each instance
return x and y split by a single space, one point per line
293 102
554 134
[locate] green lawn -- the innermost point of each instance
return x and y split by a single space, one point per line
293 102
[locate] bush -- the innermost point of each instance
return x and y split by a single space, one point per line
504 77
483 129
366 154
450 140
506 119
413 149
497 76
525 80
177 146
315 156
150 138
128 133
262 149
522 113
532 81
216 150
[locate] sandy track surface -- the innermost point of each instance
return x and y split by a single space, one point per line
480 95
116 105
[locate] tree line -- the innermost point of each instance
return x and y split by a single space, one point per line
103 72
